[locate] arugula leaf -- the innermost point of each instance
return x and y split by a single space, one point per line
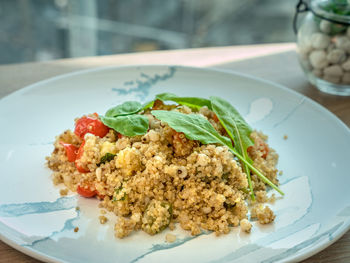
130 125
238 130
106 158
192 102
126 108
194 126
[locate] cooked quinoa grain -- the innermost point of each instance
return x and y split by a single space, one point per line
170 238
261 196
64 192
246 226
263 213
103 219
161 178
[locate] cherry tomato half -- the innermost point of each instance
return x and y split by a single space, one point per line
79 154
90 125
86 192
71 151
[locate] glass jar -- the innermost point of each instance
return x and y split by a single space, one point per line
323 44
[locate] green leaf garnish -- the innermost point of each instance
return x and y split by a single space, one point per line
124 118
129 125
192 102
238 130
106 158
123 198
117 191
126 108
194 126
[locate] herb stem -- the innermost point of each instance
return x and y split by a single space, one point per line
256 171
250 183
245 167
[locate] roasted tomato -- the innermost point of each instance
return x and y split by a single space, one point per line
79 154
86 191
71 151
91 125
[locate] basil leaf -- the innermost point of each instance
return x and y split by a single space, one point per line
192 102
238 130
106 158
126 108
130 125
194 126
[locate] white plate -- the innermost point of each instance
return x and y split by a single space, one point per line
37 221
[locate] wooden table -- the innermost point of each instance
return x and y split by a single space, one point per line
275 62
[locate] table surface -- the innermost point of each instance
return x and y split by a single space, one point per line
275 62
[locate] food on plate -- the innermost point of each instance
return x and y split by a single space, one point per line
195 162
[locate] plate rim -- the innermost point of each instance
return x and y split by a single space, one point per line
345 227
209 69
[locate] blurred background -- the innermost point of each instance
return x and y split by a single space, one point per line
41 30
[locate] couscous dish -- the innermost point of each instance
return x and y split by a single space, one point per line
195 162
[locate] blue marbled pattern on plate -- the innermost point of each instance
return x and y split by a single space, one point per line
142 86
12 210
